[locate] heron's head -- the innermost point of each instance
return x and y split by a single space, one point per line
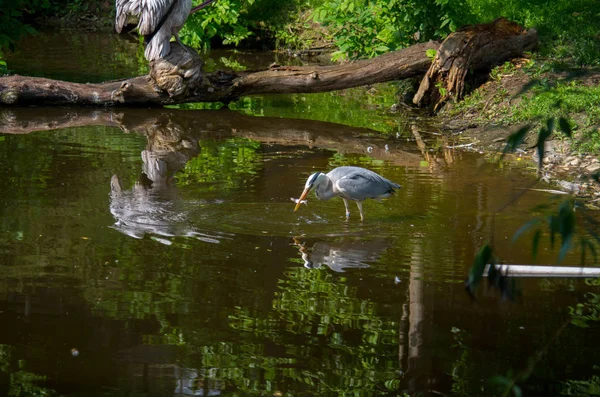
313 181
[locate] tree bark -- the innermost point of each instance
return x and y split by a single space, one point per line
479 47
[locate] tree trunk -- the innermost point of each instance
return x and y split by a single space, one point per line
478 47
179 77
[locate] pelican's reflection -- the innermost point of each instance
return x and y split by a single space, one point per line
345 253
152 206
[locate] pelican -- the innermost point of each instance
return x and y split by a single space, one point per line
158 21
349 183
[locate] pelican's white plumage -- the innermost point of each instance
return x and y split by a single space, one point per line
159 20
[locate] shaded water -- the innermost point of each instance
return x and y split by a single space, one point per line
155 252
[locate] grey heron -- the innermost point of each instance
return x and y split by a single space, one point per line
158 21
349 183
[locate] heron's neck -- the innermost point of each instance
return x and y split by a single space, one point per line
324 190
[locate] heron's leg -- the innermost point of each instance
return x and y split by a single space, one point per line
347 209
359 205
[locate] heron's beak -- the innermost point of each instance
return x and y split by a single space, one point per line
302 197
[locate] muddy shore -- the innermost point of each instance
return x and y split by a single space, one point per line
564 167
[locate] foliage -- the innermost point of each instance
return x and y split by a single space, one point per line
3 66
362 28
12 14
25 384
564 223
589 311
499 71
232 64
582 314
431 53
568 29
582 388
223 18
558 100
560 223
580 102
234 21
22 383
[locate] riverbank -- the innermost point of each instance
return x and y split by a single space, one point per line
521 93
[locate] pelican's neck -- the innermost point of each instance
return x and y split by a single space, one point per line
324 188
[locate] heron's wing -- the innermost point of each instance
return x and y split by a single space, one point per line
151 13
364 184
125 8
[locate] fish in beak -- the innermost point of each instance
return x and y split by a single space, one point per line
311 182
302 198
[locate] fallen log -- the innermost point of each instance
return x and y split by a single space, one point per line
179 77
478 47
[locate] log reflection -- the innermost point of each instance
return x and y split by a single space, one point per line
180 130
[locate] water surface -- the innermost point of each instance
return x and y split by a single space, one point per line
155 252
205 280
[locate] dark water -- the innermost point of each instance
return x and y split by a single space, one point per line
155 252
94 57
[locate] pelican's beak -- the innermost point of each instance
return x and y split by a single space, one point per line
302 197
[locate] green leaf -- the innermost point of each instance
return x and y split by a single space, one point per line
565 247
323 15
431 53
525 228
543 135
535 243
517 391
566 226
583 246
592 248
515 139
501 380
482 259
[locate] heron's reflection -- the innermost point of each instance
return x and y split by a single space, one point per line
345 253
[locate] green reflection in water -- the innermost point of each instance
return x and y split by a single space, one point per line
246 318
228 162
332 340
22 383
72 56
355 107
341 159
